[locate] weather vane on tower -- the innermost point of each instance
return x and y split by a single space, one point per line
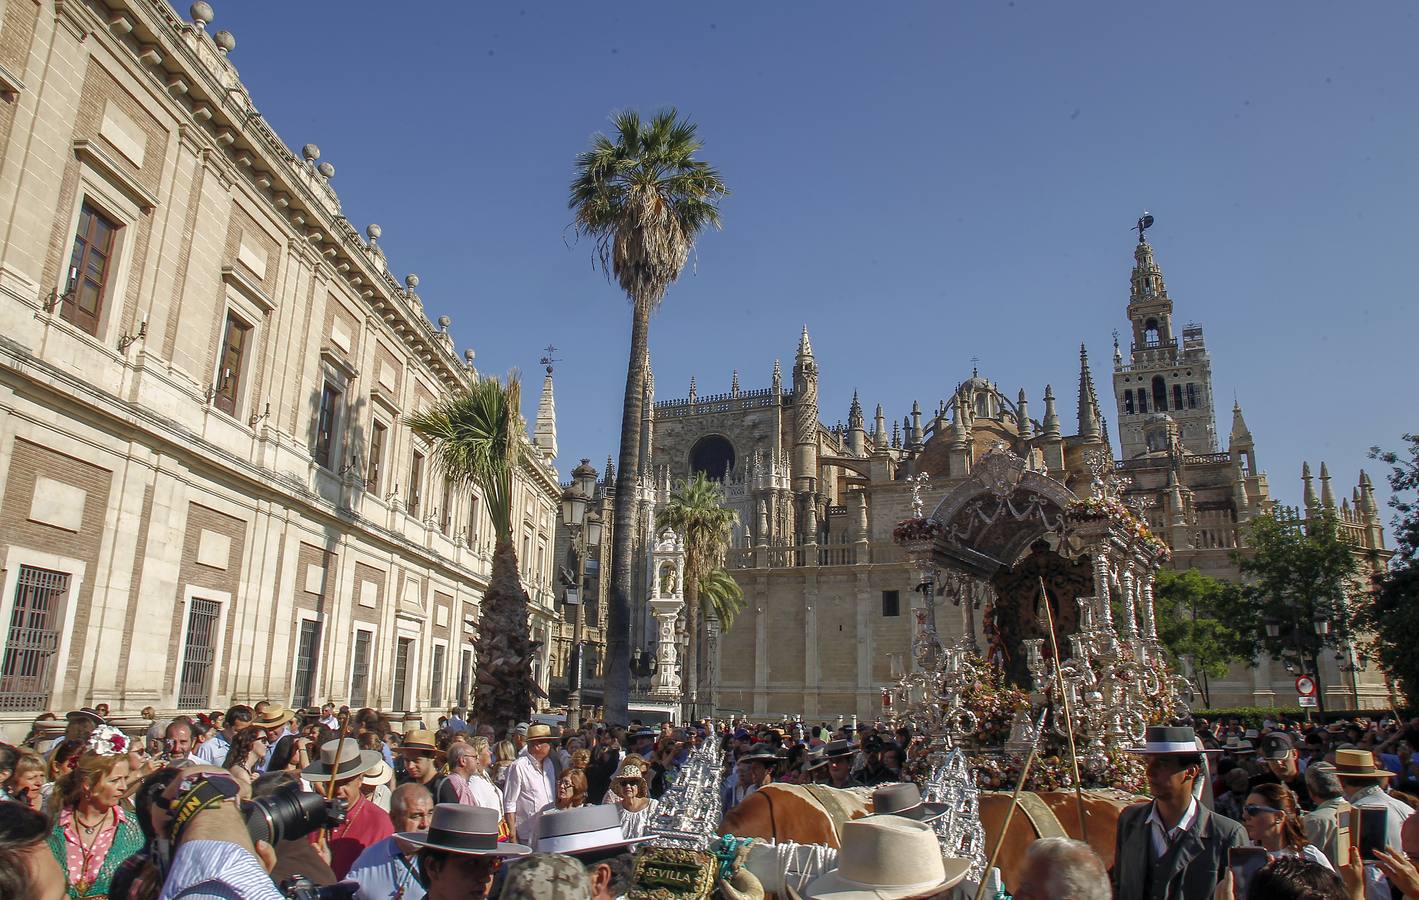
548 358
1145 222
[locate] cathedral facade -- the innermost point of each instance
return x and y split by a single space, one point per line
830 598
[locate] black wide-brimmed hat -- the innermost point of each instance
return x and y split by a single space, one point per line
835 749
469 830
1169 740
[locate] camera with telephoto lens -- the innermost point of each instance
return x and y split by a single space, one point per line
290 814
299 887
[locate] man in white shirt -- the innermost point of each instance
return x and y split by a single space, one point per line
327 717
530 785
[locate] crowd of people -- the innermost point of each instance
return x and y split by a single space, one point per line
259 800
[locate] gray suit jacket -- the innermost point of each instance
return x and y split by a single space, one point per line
1191 868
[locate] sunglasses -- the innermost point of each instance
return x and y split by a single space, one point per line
1252 809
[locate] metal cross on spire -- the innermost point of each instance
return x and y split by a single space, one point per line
549 358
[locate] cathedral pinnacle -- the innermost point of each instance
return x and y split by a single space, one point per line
1327 497
734 384
544 435
1089 428
778 376
1051 421
1308 492
854 413
805 347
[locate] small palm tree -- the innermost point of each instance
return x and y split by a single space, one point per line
721 597
476 439
644 199
696 511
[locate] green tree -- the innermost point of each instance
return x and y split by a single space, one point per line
696 511
1300 575
1204 621
476 436
644 199
1393 617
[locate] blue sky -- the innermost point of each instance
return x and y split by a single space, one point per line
920 183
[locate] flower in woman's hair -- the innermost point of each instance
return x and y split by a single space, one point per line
106 740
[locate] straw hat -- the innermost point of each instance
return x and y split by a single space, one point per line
380 774
540 733
887 858
581 829
273 717
1358 764
340 760
630 772
467 830
420 740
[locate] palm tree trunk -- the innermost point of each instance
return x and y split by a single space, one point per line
503 690
692 649
618 614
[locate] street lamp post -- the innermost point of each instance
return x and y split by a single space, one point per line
585 531
1322 627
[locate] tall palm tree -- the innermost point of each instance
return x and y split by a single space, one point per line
644 199
476 437
696 511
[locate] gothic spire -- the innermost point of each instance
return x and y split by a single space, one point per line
879 429
1022 416
1241 435
1327 497
734 384
1088 400
1051 421
854 413
805 347
1309 489
778 377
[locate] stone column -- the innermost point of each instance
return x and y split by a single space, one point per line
667 680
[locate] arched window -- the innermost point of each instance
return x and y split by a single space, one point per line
1142 400
1177 396
713 455
1191 396
1128 403
1160 394
983 405
1150 333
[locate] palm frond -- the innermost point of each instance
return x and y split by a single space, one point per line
721 596
643 199
475 438
696 510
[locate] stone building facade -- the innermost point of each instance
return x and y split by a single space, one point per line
831 598
208 490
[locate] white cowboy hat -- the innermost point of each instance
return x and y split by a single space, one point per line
887 858
380 774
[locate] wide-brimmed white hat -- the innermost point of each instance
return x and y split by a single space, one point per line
887 858
581 829
340 760
380 774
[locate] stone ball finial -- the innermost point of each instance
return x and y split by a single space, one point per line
225 41
444 322
311 152
469 355
373 232
326 169
411 280
201 13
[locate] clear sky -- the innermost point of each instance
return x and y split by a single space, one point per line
919 183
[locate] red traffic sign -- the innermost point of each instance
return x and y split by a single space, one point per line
1306 686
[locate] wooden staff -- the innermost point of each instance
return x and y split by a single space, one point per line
1068 717
1010 812
330 785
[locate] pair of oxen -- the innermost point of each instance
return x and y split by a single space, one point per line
814 815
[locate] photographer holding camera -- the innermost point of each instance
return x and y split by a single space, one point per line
212 851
